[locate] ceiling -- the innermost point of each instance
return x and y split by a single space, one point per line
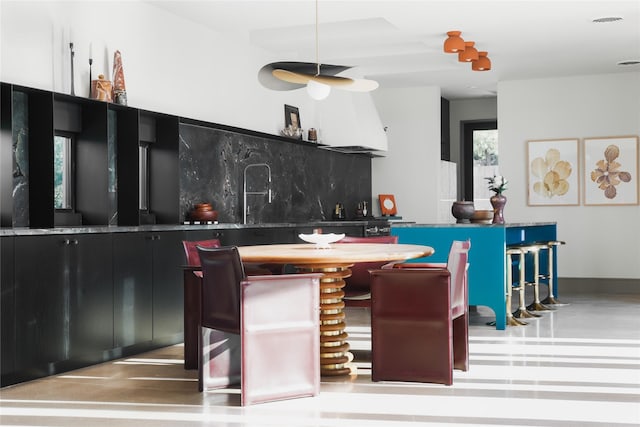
399 43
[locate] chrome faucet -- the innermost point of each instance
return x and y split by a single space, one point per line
266 192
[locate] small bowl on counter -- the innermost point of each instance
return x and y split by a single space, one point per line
482 217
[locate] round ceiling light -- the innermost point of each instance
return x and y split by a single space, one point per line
454 43
607 19
629 62
469 53
483 63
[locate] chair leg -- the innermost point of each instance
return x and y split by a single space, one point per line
461 343
219 359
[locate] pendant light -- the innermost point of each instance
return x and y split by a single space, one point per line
469 53
483 63
316 89
454 43
318 80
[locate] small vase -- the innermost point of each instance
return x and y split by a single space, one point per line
498 201
462 211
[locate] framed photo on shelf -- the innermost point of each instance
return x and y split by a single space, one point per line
291 116
611 170
552 172
387 204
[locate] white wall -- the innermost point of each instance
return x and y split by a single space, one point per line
411 169
602 241
170 65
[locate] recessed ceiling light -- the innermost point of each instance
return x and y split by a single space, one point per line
629 62
607 19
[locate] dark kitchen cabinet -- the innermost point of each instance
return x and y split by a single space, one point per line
7 311
148 290
167 259
257 236
132 289
63 302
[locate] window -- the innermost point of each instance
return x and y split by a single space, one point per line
143 176
479 160
63 171
485 163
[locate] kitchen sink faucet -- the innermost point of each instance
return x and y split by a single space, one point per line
266 192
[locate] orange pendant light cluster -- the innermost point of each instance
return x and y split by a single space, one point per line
466 51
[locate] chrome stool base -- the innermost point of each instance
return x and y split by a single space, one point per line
550 300
538 306
525 314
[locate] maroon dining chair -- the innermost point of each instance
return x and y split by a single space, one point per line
419 320
191 281
260 331
357 289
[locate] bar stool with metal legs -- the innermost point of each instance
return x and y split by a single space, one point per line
511 320
534 251
551 271
522 312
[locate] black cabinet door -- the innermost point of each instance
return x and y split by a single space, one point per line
91 330
43 303
7 311
257 236
168 294
133 289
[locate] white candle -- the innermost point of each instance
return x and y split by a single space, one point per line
90 50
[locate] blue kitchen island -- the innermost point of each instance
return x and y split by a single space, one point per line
487 257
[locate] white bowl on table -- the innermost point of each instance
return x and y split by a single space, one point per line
322 241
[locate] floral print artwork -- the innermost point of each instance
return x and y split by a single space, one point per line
607 174
552 174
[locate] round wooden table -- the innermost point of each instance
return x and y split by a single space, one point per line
334 263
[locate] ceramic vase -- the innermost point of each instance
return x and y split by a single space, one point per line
462 211
498 201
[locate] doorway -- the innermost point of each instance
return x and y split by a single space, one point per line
480 159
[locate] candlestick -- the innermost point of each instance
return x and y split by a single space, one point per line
72 55
90 63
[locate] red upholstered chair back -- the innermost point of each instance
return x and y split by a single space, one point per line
359 282
191 253
457 266
222 275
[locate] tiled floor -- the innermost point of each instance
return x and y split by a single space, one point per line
577 366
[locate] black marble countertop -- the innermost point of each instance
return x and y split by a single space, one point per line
220 226
509 224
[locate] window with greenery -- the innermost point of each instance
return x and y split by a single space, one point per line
63 171
485 162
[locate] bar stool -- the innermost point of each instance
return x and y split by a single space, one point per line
523 312
534 250
511 251
551 271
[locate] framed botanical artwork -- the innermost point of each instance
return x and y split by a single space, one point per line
552 171
611 170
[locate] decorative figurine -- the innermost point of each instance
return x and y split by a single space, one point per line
119 88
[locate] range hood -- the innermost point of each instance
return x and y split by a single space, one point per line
354 149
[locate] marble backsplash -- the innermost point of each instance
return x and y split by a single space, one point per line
306 181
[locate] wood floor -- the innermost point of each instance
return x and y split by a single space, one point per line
576 366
